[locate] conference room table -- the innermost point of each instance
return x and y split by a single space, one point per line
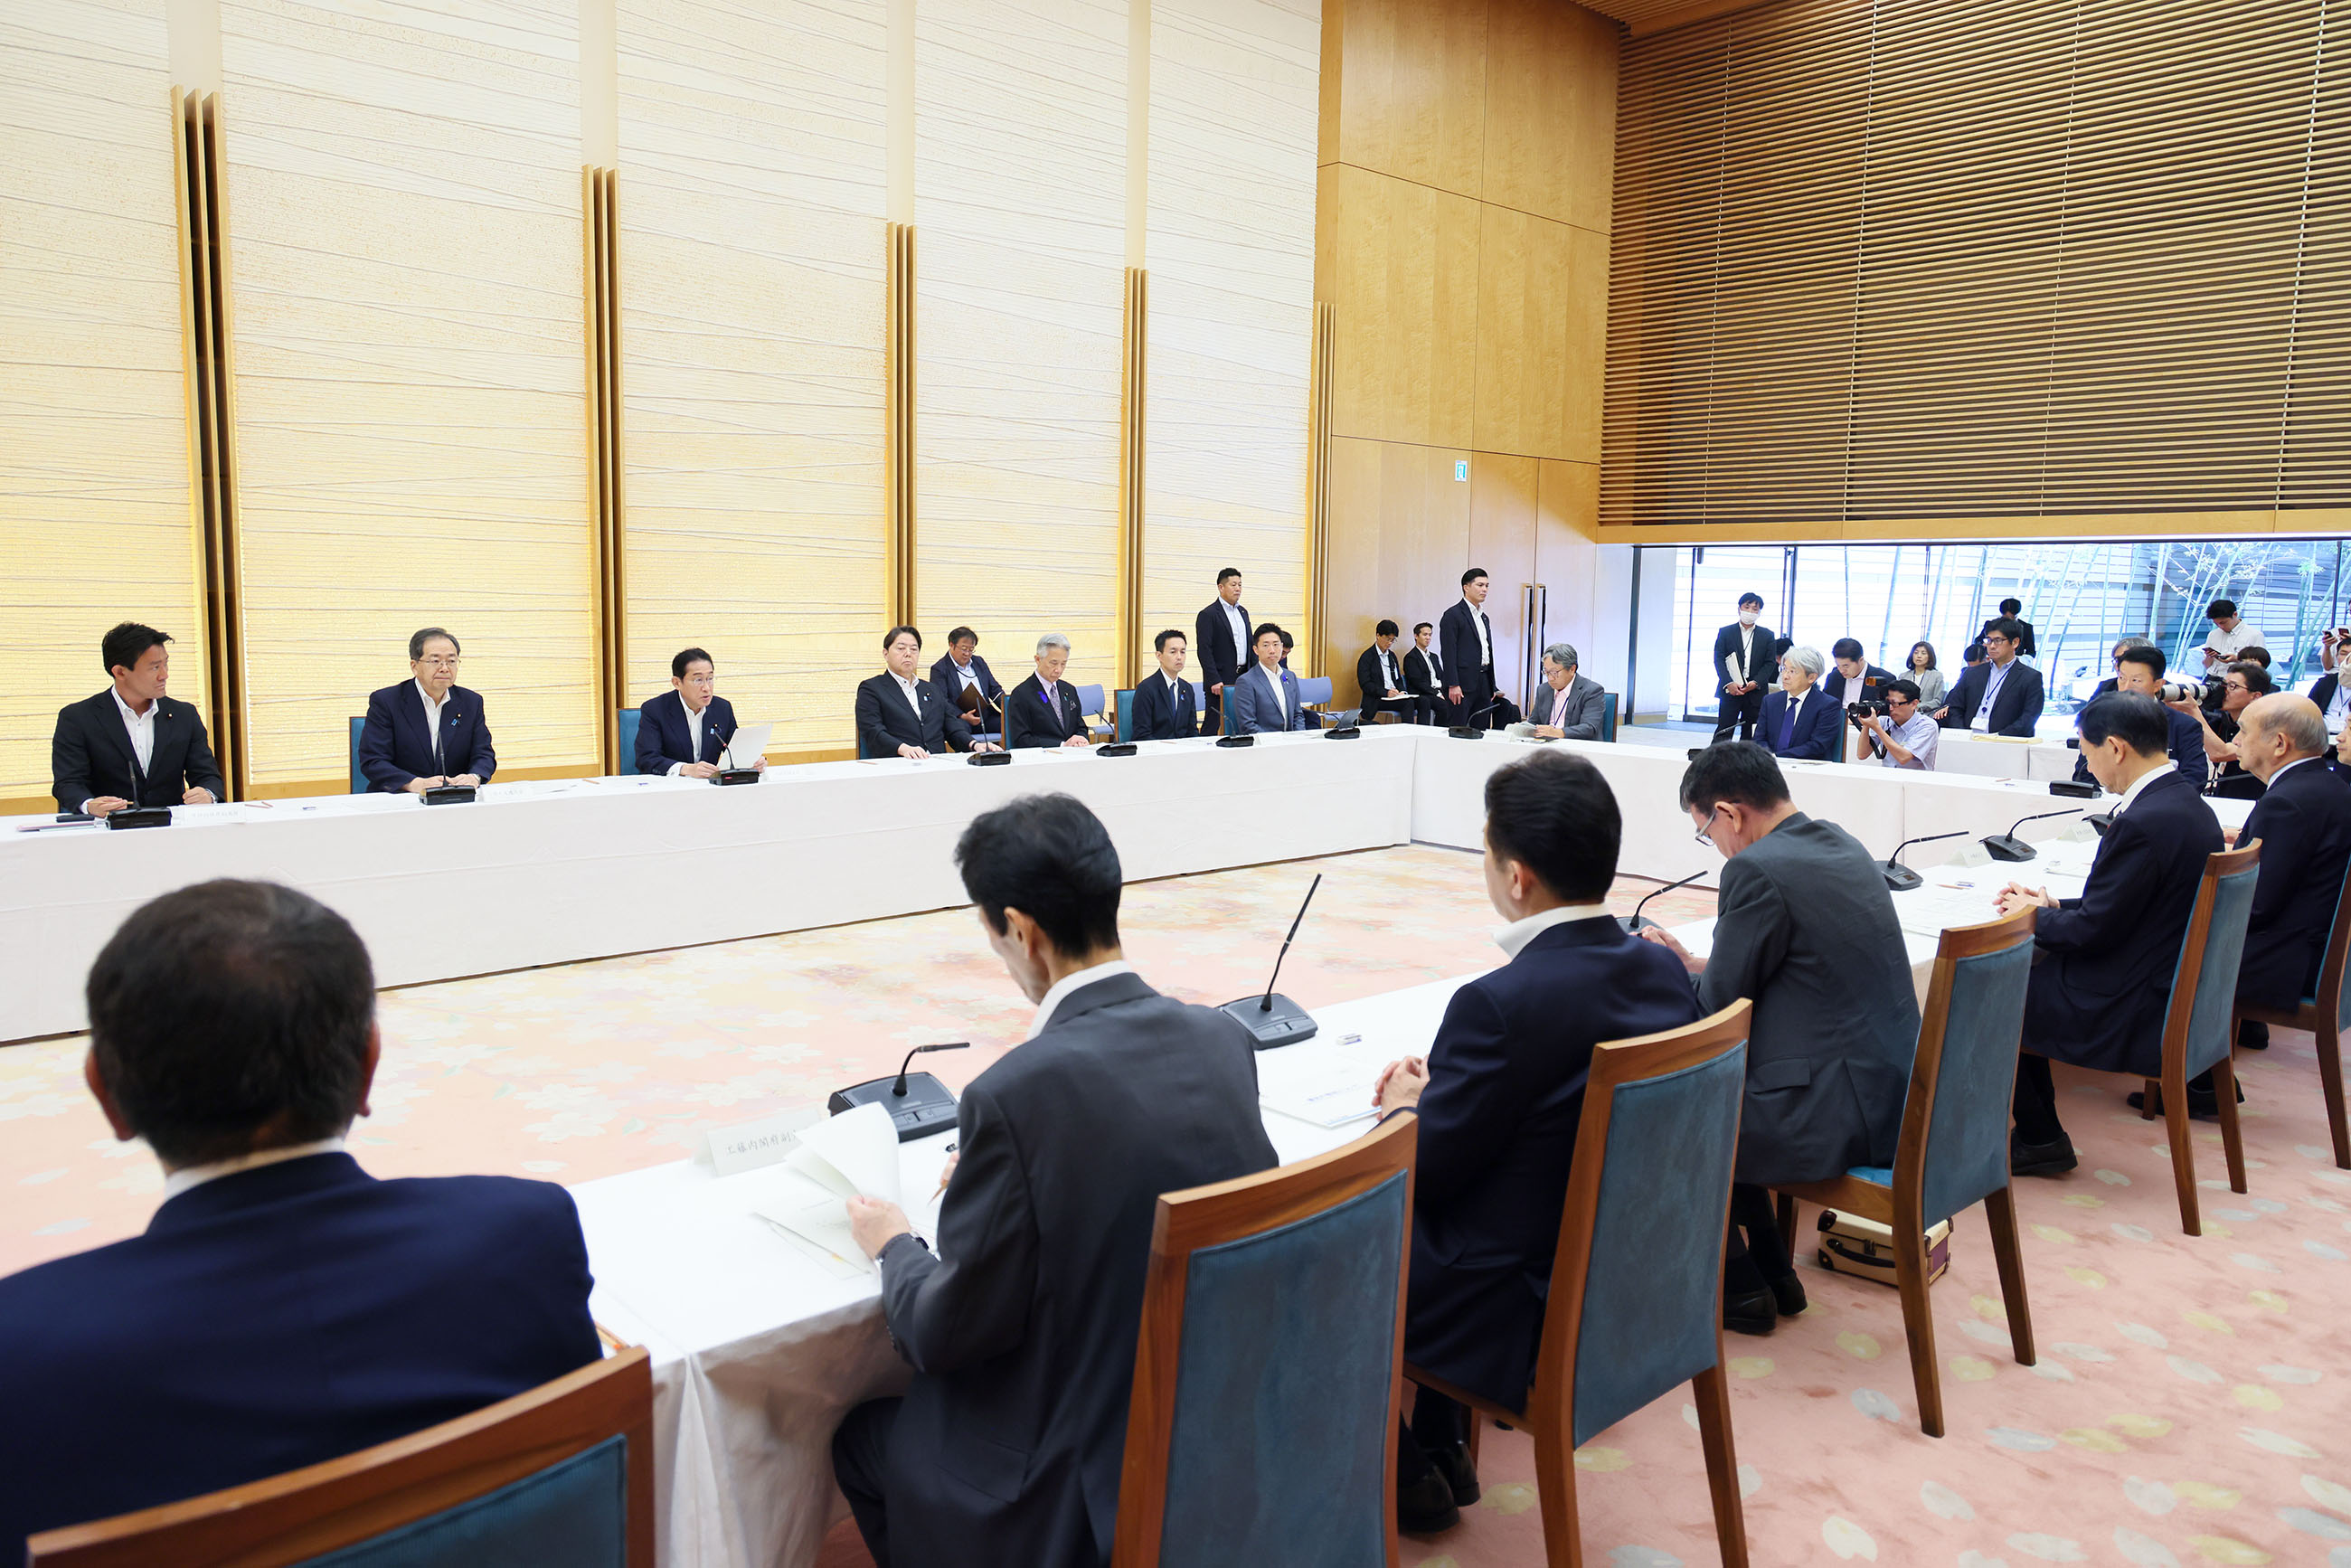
2003 757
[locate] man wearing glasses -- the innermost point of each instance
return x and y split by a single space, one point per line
2246 682
1905 737
428 730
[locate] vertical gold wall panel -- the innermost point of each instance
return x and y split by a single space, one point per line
1021 207
1550 110
1400 526
1232 245
1411 80
753 204
1543 321
94 520
405 215
1402 276
1503 539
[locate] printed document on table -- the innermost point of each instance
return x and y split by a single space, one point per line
1928 911
1324 1081
806 1195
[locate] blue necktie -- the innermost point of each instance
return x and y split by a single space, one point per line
1788 724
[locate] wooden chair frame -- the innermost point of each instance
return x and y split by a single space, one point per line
1212 1216
301 1514
2173 1085
1900 1208
1549 1413
2323 1017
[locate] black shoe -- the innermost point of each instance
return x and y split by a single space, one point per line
2041 1159
1452 1461
1754 1314
2252 1034
1426 1507
1788 1295
2203 1104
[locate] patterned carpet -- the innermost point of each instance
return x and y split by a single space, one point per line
2193 1405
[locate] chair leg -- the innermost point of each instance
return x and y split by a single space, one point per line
1713 1391
2149 1098
1477 1419
2330 1081
1555 1485
1999 1214
1786 1219
1918 1324
2183 1154
2232 1143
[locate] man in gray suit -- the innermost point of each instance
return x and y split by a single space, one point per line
1804 929
1567 705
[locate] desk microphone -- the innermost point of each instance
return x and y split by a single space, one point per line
918 1103
1275 1019
1900 877
1469 730
1636 920
2007 846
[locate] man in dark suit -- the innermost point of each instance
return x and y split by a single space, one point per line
2303 822
1162 707
1423 671
1021 1328
898 716
2242 683
427 730
1744 669
1267 699
685 730
1798 720
1500 1098
1805 930
2000 696
1568 704
1380 680
283 1307
2012 610
1220 641
1465 637
2104 963
961 668
2139 668
1042 711
1850 672
130 745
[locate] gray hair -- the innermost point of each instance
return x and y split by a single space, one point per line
1808 660
417 641
2125 644
1562 653
1051 640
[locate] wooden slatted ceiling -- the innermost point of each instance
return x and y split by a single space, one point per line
1910 260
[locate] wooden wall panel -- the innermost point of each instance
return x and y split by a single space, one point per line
94 520
1411 95
1550 110
1231 246
404 219
752 191
1400 527
1543 323
1020 137
1502 504
1403 280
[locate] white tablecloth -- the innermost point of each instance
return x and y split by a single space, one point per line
2002 756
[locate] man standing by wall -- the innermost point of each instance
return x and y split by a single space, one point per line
1744 669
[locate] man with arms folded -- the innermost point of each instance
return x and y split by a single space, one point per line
1806 931
684 731
2139 668
1742 659
130 745
1567 705
898 716
429 730
1021 1327
2001 696
1380 678
1042 711
1500 1097
1162 707
1905 737
1466 637
283 1307
1265 699
2103 962
1798 721
1423 671
961 670
1220 641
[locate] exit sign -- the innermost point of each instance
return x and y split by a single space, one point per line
1461 470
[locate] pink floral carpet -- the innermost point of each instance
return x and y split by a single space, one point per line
2193 1405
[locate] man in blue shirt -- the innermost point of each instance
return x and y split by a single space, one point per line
1905 737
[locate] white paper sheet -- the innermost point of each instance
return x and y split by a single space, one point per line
746 745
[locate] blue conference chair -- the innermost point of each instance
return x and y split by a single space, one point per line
1314 692
1093 702
630 719
2199 1028
1125 701
562 1474
1262 1426
1953 1151
1608 715
2326 1013
1635 1304
359 781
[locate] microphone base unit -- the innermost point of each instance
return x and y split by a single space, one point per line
738 776
1344 732
1116 749
2100 821
1235 741
2071 791
449 795
1635 924
989 759
1283 1023
926 1107
140 817
2009 847
1900 878
1465 732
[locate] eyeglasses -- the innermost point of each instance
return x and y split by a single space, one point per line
440 662
1703 833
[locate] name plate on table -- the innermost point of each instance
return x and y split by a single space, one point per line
1974 854
747 1145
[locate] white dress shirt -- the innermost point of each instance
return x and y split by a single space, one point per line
1281 692
186 1177
1485 642
694 717
1241 632
1737 673
2233 643
2139 787
1436 664
141 727
1392 676
914 697
1175 685
966 676
433 716
1982 723
1511 938
1061 989
1920 737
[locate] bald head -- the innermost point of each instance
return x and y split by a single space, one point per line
2277 729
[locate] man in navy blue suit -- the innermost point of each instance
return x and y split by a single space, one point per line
963 678
1266 698
1465 636
2003 696
2139 668
2103 962
1163 708
685 730
2303 822
427 730
1853 672
283 1307
1800 721
1500 1097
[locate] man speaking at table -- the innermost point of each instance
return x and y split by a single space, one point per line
130 745
428 730
683 731
1021 1328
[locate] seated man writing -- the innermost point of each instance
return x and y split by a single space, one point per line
1568 704
1021 1328
283 1307
1500 1098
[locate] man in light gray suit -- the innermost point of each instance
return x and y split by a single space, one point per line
1805 929
1567 705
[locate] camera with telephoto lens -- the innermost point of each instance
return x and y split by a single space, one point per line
2198 692
1860 712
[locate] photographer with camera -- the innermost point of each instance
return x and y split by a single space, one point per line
2138 668
1893 731
2244 681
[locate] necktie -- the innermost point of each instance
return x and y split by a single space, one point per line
1788 723
1054 701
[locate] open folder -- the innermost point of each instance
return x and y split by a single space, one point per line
806 1195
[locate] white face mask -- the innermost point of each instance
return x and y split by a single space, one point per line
1747 618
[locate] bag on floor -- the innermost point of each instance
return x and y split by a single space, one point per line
1864 1249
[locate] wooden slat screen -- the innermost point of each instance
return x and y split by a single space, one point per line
1909 261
